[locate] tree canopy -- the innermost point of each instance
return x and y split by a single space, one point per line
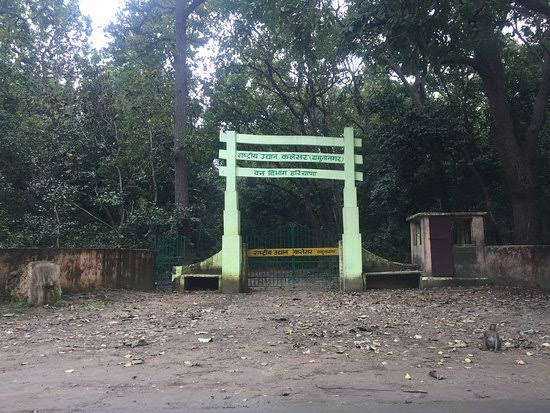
449 97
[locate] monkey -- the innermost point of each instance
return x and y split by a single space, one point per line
491 339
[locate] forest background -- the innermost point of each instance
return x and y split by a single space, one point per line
449 97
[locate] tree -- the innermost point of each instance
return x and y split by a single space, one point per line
88 137
42 51
477 34
279 71
181 118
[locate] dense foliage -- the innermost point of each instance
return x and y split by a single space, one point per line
87 136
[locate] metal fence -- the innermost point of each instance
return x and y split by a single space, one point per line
290 269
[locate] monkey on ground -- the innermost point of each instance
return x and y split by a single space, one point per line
491 339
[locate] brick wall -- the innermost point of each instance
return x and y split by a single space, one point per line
527 265
87 269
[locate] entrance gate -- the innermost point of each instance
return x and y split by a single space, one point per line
290 256
325 155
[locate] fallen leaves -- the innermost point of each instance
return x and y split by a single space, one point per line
434 374
133 362
264 332
190 363
457 344
138 343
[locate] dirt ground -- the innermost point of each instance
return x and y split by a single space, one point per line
273 347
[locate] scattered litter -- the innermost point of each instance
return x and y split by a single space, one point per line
138 343
414 391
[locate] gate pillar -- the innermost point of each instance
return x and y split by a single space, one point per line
351 278
232 268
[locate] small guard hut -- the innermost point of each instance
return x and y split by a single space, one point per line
447 244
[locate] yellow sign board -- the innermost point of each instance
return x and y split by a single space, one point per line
289 252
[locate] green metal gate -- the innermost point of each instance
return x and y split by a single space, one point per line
170 251
270 270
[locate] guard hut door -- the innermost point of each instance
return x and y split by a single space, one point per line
441 241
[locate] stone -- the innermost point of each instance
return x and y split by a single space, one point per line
37 283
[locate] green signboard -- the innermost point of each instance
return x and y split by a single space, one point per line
291 173
314 141
289 252
305 157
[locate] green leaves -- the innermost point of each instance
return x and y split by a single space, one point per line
86 142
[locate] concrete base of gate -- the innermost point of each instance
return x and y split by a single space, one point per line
392 279
230 285
193 282
435 282
205 273
352 284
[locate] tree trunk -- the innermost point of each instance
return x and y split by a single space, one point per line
518 165
181 190
526 218
120 181
152 166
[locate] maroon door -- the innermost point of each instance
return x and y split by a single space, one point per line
441 241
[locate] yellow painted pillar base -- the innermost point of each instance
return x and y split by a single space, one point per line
231 264
351 278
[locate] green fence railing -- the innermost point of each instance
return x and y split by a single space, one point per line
291 270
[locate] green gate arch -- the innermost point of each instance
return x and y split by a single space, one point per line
233 270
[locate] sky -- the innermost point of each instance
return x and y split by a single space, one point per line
102 12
